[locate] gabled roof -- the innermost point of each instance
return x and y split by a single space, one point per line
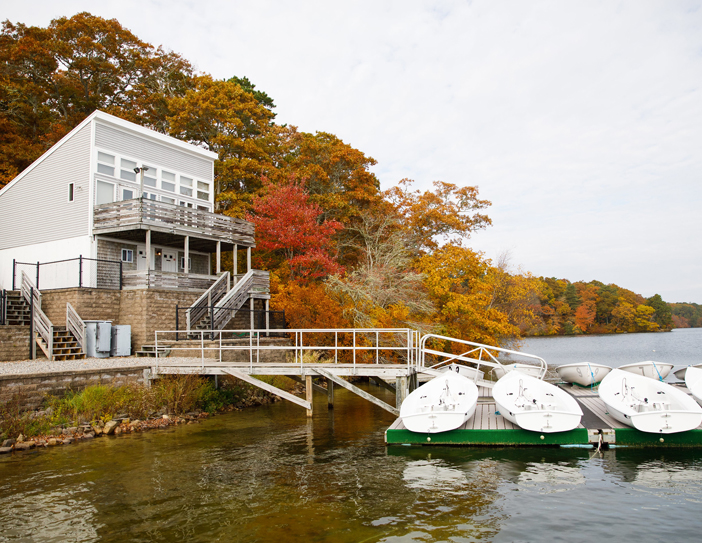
121 123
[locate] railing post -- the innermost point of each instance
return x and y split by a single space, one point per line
121 269
32 348
176 322
14 272
211 320
80 271
37 275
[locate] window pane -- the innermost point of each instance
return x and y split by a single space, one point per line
127 194
109 170
127 175
186 192
170 187
167 200
168 176
186 181
104 157
70 192
203 186
105 193
203 195
203 208
149 182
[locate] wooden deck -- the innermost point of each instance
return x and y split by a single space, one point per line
488 428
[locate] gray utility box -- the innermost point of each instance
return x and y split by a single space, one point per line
98 338
121 340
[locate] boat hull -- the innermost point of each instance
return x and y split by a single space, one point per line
649 368
693 382
648 405
443 404
583 373
526 369
682 372
535 405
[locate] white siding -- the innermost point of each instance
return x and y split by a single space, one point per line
151 152
36 208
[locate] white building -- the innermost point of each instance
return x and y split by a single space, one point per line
82 199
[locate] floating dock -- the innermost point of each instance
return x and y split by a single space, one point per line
487 428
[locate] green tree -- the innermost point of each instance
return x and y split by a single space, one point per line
664 315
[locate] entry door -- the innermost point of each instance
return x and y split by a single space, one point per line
141 258
169 262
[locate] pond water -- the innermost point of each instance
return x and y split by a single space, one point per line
270 474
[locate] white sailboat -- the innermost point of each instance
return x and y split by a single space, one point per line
680 374
583 373
649 368
525 369
442 404
693 382
648 405
535 405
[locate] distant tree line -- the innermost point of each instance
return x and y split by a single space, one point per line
687 315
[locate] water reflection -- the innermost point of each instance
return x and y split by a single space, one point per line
271 474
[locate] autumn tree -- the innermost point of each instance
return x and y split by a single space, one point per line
52 78
290 232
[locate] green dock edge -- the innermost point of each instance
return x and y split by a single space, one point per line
624 437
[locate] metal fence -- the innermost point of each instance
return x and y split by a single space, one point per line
3 307
73 272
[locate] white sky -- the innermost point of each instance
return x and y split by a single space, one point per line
581 121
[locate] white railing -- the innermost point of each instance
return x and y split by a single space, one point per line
75 325
203 304
476 354
233 300
42 324
349 346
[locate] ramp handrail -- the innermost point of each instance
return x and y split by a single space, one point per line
75 325
42 324
211 296
479 348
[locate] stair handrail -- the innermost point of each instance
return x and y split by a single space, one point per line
233 301
42 325
75 325
3 306
208 298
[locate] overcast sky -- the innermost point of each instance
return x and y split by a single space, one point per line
580 121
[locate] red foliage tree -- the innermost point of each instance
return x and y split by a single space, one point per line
287 228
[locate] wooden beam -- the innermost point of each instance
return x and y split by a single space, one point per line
400 390
330 394
383 383
269 388
219 257
362 393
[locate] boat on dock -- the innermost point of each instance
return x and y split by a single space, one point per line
649 368
584 374
647 404
693 382
535 405
525 369
442 404
681 373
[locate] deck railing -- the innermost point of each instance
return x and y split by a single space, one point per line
75 325
171 280
40 322
139 212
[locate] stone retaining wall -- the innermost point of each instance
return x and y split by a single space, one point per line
32 388
14 343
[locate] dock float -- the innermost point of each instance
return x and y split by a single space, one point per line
488 428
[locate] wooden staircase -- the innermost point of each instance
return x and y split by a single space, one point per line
17 309
65 345
149 351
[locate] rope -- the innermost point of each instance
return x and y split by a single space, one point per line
592 383
658 372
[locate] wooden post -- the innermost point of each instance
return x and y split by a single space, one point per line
148 250
400 391
235 260
330 394
186 267
268 320
308 393
219 257
248 259
251 312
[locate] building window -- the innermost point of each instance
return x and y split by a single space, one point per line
70 192
127 194
150 175
106 164
149 196
104 193
127 168
168 181
182 263
168 200
127 255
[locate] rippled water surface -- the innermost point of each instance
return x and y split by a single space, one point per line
269 474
